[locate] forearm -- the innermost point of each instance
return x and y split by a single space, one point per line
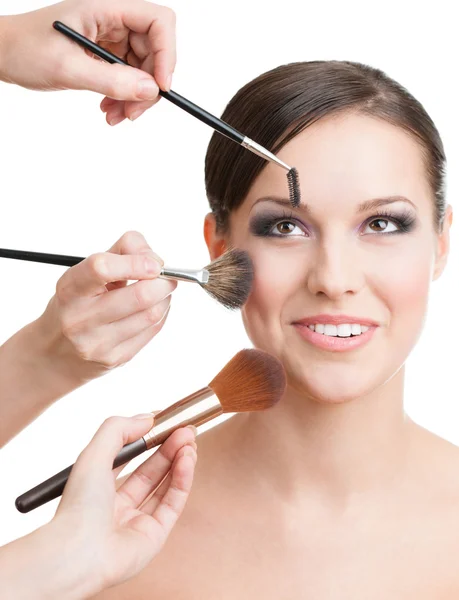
5 34
44 567
32 377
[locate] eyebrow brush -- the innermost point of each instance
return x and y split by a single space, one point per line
195 111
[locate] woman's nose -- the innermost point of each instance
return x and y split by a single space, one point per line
335 271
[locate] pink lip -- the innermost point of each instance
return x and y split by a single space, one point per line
335 344
335 320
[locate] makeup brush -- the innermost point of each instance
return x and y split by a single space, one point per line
252 380
195 111
228 278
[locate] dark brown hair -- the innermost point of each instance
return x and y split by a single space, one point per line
279 104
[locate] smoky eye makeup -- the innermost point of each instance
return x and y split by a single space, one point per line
282 224
264 224
383 222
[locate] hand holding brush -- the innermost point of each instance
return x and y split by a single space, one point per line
96 322
103 533
252 380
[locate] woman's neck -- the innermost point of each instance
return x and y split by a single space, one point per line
333 450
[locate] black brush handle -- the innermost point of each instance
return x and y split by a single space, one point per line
41 257
177 99
54 486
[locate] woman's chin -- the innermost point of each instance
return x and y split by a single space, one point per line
333 387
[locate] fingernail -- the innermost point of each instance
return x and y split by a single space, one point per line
147 89
116 120
189 451
158 258
143 416
193 429
152 266
168 83
136 114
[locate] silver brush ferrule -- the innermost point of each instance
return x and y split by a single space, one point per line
200 276
196 409
260 151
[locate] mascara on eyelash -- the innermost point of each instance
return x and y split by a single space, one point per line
263 224
404 220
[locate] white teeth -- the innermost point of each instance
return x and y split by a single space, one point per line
342 330
331 330
356 329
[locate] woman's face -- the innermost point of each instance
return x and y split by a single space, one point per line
341 283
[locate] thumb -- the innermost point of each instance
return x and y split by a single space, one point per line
109 439
120 82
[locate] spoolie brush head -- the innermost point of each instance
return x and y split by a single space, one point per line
230 278
252 380
294 187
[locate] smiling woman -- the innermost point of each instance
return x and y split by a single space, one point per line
334 493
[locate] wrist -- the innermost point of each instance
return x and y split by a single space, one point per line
55 567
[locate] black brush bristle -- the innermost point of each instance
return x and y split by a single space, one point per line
230 278
294 187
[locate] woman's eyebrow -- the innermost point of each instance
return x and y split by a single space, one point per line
362 207
282 201
377 202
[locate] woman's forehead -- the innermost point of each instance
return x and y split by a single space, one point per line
350 157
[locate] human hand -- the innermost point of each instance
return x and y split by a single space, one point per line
95 321
101 536
35 56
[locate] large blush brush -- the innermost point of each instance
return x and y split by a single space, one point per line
228 278
252 380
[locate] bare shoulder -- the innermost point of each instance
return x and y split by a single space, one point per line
437 472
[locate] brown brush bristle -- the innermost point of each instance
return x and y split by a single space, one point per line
251 380
230 278
294 187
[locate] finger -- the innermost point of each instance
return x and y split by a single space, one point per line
128 349
108 103
133 59
130 327
133 242
115 114
149 474
158 22
134 298
117 472
133 110
89 277
120 82
114 433
172 503
159 525
152 502
140 44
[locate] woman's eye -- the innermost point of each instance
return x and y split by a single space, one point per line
284 228
380 225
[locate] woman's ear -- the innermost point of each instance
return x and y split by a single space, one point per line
216 242
443 244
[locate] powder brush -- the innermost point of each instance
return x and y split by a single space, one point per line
196 111
228 278
252 380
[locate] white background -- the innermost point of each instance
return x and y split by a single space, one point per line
71 184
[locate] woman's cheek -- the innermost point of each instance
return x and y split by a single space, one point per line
275 280
404 284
